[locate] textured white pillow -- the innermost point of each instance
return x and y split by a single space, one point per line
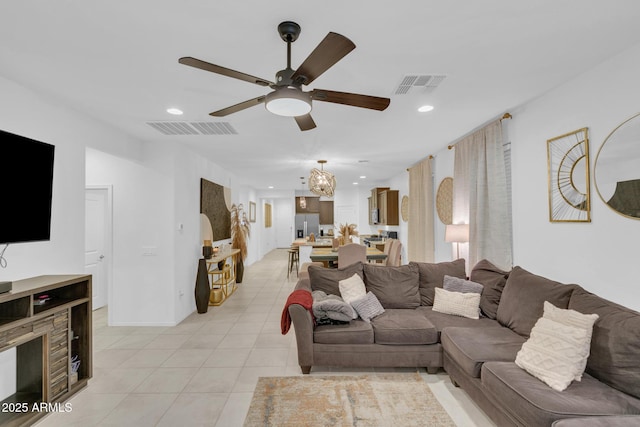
351 289
573 318
457 303
368 306
558 346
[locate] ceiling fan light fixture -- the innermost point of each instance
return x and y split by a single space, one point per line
288 101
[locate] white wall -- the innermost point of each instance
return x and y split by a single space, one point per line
601 256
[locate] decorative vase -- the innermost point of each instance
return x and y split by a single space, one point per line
202 289
207 249
239 270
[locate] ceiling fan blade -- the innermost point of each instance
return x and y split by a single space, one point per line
352 99
330 50
305 122
196 63
238 107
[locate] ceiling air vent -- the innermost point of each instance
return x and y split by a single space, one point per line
425 81
193 128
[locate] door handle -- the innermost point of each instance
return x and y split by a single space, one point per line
101 257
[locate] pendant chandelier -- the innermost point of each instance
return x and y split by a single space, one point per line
321 182
303 200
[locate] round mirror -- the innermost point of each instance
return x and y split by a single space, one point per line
617 169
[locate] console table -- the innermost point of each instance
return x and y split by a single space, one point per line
47 320
222 280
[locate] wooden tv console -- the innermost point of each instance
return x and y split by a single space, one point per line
47 319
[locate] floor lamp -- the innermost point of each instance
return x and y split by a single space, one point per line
456 233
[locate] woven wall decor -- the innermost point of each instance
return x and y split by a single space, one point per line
444 201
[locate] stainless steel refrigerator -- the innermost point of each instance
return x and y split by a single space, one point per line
307 224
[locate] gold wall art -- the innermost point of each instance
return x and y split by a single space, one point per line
267 215
569 183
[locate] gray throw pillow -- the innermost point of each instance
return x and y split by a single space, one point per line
431 276
395 287
493 279
523 297
368 307
328 279
455 284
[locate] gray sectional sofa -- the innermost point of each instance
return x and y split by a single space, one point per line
479 354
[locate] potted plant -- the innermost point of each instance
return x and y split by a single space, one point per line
240 232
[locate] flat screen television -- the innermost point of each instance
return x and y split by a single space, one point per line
26 167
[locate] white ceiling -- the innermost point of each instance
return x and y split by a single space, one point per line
118 62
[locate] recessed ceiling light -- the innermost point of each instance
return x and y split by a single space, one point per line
362 177
425 108
174 111
271 186
355 183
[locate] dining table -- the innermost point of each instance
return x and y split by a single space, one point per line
330 256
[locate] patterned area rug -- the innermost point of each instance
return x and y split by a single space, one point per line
369 400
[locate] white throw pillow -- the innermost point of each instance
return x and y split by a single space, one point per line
351 289
558 346
573 318
457 303
368 306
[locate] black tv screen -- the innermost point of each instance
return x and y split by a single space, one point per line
26 166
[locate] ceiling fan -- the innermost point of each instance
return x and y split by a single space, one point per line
287 97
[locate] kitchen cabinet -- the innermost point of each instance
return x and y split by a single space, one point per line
313 205
388 207
383 207
326 212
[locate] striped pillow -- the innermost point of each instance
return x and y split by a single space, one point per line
368 306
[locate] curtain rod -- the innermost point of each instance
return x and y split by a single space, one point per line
504 117
429 157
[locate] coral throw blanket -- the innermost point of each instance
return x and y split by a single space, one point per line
299 296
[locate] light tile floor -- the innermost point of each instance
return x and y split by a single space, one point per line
203 371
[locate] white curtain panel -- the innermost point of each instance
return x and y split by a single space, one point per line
420 247
480 196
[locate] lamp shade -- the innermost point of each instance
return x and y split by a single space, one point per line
458 233
288 101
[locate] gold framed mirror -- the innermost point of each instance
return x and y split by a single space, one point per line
617 169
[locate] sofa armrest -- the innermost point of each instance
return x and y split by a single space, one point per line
303 327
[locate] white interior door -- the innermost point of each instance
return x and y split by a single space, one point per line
97 241
284 222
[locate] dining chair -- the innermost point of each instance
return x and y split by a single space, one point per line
385 250
393 258
351 253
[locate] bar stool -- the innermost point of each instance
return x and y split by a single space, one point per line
294 257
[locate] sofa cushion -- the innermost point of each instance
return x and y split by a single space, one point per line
403 327
457 303
395 287
431 276
533 403
368 307
354 332
556 352
524 294
328 279
615 343
442 320
471 347
493 280
456 284
604 421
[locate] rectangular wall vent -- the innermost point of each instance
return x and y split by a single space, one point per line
427 82
193 128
